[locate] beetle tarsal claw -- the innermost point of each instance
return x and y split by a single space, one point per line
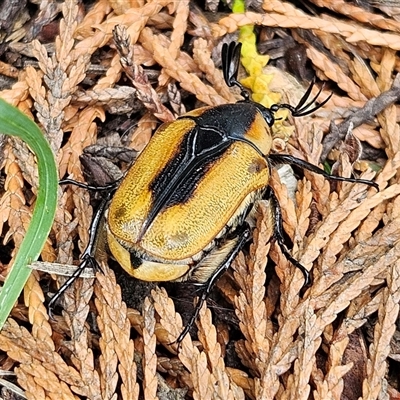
179 213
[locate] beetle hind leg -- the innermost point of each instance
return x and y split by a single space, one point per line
278 236
239 241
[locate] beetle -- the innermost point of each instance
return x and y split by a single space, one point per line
180 212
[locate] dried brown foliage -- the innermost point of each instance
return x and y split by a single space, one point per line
334 341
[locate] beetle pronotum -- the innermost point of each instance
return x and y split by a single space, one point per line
179 213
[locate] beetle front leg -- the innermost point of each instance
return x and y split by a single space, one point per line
242 238
88 257
278 236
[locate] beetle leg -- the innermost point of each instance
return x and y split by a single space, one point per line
109 187
278 236
88 256
288 159
243 237
87 261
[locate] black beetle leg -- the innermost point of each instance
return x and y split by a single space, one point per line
110 187
288 159
243 237
88 256
278 236
85 261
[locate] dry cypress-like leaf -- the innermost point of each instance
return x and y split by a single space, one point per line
189 81
251 309
149 360
38 359
332 384
81 136
117 360
60 76
177 35
192 359
144 91
38 317
12 207
202 56
374 383
350 32
359 14
77 309
225 388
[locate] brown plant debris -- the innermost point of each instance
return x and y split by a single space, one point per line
104 74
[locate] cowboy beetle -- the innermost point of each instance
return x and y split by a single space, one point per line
179 213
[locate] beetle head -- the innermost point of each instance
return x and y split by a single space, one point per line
230 68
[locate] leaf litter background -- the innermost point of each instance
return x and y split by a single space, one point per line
60 65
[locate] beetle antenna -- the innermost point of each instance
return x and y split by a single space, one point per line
302 109
230 55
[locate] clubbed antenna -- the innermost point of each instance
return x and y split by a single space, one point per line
303 109
230 66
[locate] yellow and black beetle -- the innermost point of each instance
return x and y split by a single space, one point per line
179 213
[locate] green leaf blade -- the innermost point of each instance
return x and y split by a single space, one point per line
14 122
